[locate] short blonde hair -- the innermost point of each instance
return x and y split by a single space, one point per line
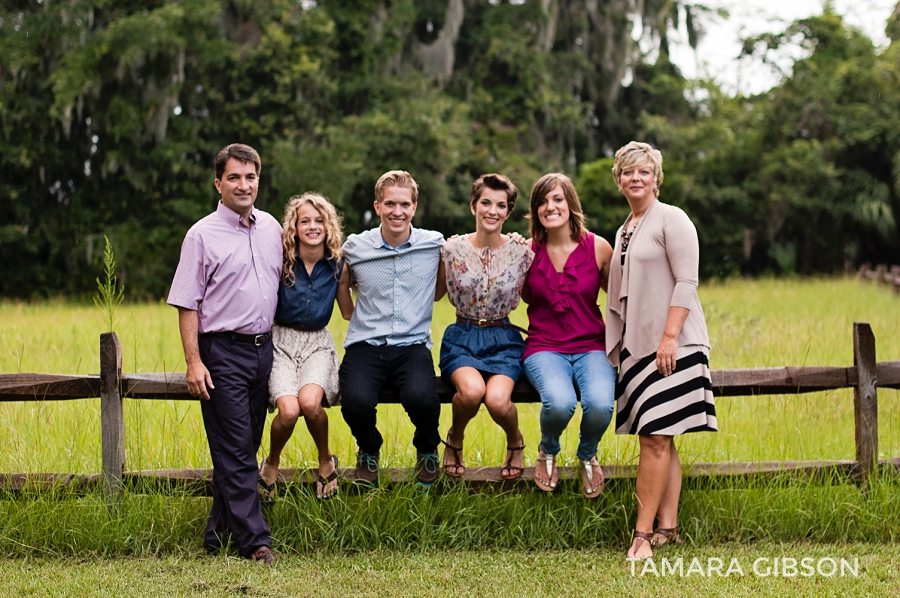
541 188
334 236
396 178
636 153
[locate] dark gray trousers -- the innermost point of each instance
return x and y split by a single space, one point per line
234 417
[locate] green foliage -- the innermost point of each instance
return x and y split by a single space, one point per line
109 293
111 112
605 208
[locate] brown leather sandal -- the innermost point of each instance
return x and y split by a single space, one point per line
458 468
644 537
669 534
512 473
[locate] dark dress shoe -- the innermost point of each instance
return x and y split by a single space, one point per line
264 555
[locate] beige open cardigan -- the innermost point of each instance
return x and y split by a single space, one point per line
660 271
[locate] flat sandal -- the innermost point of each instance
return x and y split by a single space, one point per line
514 472
549 462
459 468
669 534
644 537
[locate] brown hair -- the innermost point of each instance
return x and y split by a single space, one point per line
396 178
497 182
636 153
541 188
238 151
334 236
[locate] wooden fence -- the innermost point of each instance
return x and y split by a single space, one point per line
111 386
882 274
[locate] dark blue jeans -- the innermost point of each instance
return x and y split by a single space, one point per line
409 371
234 417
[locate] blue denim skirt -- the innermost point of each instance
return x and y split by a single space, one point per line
494 350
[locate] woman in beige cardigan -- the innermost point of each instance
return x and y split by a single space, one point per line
656 335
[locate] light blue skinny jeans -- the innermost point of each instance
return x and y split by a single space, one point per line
555 376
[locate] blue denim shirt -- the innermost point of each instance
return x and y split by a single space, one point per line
308 303
395 287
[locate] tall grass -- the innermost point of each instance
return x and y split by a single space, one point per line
752 324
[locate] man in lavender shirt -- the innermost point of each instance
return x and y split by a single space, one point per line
226 289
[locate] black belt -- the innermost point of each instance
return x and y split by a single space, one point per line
252 339
482 323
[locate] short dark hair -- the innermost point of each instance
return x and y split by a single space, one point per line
497 182
238 151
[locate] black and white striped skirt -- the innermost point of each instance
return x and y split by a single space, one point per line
648 403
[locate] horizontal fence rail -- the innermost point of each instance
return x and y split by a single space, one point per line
112 386
882 275
726 383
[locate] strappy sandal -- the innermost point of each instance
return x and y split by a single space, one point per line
324 481
458 468
265 490
643 537
512 473
550 463
587 470
669 534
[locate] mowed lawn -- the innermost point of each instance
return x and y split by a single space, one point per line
752 324
476 574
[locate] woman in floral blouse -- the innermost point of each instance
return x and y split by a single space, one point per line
481 354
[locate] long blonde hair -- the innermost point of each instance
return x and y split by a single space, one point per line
334 235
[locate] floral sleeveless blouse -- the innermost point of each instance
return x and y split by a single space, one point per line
485 284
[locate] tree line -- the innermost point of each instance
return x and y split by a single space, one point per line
112 110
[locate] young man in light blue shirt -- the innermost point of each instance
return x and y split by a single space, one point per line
388 344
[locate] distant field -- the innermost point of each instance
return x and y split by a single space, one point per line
752 324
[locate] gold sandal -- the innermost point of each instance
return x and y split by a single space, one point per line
550 463
587 469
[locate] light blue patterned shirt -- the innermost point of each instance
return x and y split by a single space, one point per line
395 287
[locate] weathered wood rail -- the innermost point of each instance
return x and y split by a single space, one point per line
881 274
111 386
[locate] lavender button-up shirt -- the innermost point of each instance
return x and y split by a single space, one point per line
228 272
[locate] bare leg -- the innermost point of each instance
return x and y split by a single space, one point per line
310 399
652 480
667 515
470 389
282 428
498 401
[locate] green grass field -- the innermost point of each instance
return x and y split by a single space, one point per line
406 541
752 324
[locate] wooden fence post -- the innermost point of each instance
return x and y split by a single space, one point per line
865 402
112 418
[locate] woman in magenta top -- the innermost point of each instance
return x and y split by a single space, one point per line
566 347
